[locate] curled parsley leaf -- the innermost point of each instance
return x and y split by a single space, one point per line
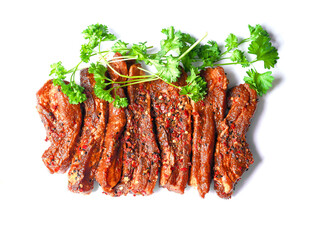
196 87
72 90
177 50
95 34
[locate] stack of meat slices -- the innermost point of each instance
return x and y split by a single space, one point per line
124 149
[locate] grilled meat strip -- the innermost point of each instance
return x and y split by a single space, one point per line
86 159
141 155
207 115
172 114
62 121
109 169
232 155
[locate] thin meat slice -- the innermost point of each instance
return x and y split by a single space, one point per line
207 115
141 155
86 159
232 155
109 169
172 113
62 121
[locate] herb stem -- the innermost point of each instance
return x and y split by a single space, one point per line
192 46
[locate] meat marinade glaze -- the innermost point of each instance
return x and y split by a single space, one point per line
207 115
62 122
172 116
87 156
232 155
110 167
141 155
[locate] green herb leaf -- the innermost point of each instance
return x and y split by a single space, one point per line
120 102
256 31
231 42
169 70
139 51
196 88
95 33
260 82
72 90
98 33
98 70
100 90
120 47
239 57
173 41
264 51
209 54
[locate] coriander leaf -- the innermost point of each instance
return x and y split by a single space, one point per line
239 57
168 71
260 82
196 88
256 31
264 51
120 102
209 54
120 47
231 42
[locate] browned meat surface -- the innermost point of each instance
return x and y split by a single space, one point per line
86 159
232 155
207 114
141 155
62 121
172 113
109 169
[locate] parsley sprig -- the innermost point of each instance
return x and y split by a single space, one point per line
261 48
177 50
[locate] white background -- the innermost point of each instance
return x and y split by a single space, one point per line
278 197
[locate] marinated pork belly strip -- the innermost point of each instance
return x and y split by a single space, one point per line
207 114
87 156
110 166
172 113
141 155
232 156
62 121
